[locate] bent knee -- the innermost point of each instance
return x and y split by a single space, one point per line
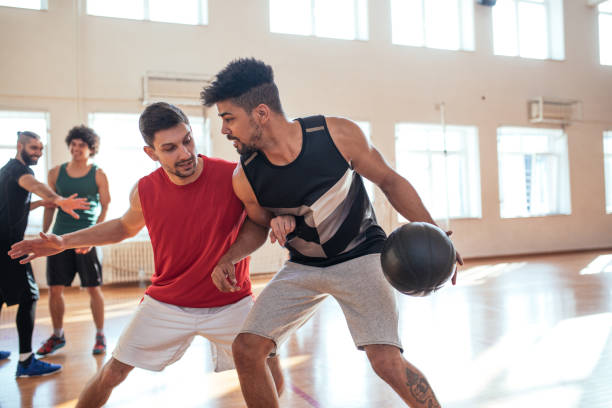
115 372
247 346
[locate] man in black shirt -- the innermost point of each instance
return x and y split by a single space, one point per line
17 284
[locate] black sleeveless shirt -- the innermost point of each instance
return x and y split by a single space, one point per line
335 221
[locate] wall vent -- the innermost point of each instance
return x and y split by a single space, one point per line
554 110
175 88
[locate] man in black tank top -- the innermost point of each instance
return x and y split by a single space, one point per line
303 180
17 284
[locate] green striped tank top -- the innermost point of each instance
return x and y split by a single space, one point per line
84 187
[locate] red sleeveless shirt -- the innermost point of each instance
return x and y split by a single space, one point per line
191 226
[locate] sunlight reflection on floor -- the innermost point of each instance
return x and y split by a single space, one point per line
601 264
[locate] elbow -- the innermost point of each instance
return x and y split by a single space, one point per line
387 184
124 232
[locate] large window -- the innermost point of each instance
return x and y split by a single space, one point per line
448 183
38 122
605 33
608 169
529 28
533 172
343 19
445 24
183 12
26 4
122 157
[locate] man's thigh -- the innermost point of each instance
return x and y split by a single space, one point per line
157 336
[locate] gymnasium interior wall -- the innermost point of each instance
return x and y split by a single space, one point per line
70 64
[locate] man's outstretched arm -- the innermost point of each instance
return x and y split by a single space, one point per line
68 204
100 234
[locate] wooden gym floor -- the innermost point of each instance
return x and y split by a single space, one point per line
515 332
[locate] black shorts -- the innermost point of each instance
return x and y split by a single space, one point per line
62 267
17 282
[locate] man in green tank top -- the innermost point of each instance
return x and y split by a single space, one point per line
82 177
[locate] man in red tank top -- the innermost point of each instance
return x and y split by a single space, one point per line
200 237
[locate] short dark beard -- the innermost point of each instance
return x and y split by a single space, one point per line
177 173
246 150
27 159
251 148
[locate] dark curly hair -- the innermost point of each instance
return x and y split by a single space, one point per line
87 135
246 82
159 116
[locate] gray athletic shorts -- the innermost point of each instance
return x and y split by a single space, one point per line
296 292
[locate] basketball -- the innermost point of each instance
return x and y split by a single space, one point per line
418 258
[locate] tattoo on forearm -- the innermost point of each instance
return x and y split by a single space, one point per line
420 389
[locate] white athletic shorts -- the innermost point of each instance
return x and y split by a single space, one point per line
160 333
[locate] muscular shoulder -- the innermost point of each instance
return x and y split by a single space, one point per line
341 126
242 187
347 136
135 198
100 175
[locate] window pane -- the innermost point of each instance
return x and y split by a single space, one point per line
449 185
442 24
120 156
606 6
183 11
407 22
608 169
201 134
10 123
533 172
608 142
417 169
26 4
291 16
605 39
505 37
343 19
133 9
335 19
512 186
533 30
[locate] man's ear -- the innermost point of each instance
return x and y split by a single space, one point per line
262 113
151 153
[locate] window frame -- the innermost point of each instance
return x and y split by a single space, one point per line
607 156
470 159
361 28
466 38
203 15
555 39
563 188
43 164
601 12
44 6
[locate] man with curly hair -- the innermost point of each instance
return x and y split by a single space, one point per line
82 177
303 179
